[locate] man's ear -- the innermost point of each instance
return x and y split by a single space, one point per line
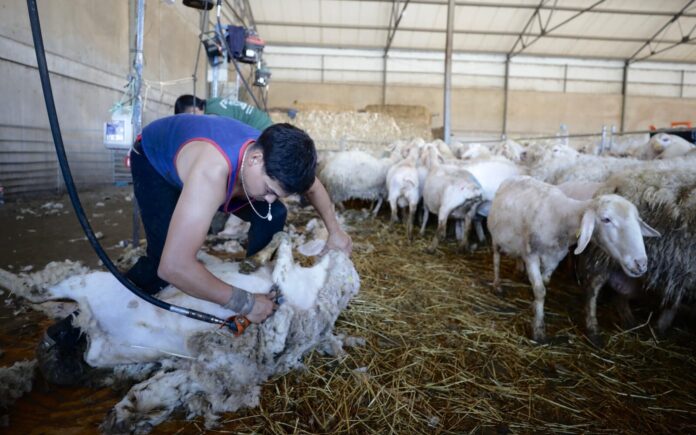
257 157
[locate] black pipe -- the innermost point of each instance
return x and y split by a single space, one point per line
72 192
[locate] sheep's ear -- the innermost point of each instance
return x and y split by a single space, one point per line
646 230
586 228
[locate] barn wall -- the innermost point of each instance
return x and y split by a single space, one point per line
87 49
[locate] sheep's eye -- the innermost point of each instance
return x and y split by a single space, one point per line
606 220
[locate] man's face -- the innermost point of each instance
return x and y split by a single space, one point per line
259 186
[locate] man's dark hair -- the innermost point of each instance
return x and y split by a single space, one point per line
185 101
289 157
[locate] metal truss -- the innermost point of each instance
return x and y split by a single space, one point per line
653 46
543 25
395 17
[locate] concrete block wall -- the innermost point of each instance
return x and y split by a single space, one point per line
87 48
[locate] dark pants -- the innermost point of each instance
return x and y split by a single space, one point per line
157 200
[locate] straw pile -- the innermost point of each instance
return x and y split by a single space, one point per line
345 130
414 121
442 354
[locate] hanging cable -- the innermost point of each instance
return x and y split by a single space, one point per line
72 191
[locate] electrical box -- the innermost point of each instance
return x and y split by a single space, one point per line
118 131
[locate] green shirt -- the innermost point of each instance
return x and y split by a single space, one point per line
238 110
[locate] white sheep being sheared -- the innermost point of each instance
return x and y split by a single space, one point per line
205 370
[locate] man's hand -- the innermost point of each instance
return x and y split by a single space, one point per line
263 307
338 240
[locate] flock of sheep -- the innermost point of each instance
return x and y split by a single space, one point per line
539 200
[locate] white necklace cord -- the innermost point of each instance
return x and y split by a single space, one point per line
241 174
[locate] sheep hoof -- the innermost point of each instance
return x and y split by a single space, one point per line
539 337
248 266
596 339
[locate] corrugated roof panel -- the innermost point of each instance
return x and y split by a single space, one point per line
419 40
498 18
423 16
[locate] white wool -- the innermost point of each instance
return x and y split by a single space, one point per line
311 248
31 286
218 372
227 372
235 228
230 246
357 175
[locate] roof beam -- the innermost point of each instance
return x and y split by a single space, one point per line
664 27
395 20
380 49
661 13
466 32
520 37
544 29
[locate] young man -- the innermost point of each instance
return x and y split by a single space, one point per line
185 167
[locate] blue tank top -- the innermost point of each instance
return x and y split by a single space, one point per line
163 139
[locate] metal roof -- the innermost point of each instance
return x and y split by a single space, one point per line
631 30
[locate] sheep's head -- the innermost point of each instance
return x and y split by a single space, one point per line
618 228
660 142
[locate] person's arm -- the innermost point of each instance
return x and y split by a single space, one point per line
338 239
204 190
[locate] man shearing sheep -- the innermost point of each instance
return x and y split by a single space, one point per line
186 167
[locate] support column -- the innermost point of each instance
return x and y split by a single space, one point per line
447 115
624 81
505 94
384 80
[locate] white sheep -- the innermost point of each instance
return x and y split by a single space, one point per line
510 150
358 175
669 146
450 192
535 221
201 368
404 188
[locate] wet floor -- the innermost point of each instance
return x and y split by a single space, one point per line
33 233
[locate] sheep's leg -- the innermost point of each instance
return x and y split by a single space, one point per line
479 230
666 318
468 219
426 214
459 229
496 269
394 209
441 231
411 217
262 257
534 273
591 315
377 207
625 289
623 308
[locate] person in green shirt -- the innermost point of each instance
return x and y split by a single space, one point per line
238 110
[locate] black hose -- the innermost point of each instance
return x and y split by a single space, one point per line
72 192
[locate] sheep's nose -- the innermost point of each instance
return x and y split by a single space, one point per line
641 265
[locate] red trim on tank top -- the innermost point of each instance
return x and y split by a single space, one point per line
228 200
211 142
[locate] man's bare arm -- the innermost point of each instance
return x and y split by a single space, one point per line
204 190
338 239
